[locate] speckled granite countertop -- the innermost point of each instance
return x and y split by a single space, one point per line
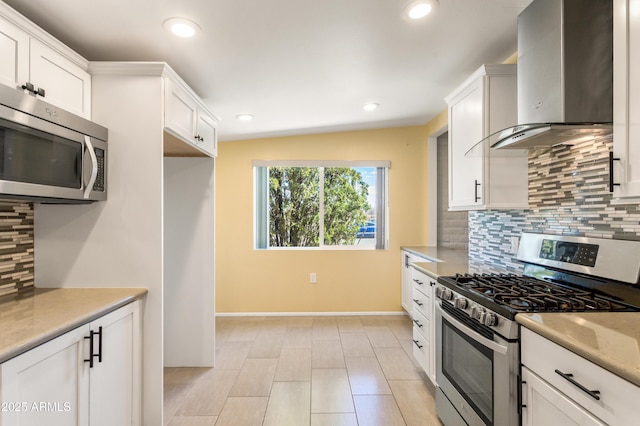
43 314
608 339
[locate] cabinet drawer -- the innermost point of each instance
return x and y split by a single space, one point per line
422 324
420 281
421 350
421 303
617 397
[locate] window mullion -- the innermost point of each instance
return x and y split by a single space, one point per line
321 204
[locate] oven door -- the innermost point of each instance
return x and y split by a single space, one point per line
476 371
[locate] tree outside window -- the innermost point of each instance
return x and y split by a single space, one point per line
333 206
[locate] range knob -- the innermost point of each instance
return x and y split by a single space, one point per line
439 291
490 319
447 294
461 303
477 312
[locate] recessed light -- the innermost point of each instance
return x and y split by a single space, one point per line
181 27
244 117
420 8
370 106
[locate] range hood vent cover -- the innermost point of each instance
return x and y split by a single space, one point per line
565 74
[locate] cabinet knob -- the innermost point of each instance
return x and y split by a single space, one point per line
29 87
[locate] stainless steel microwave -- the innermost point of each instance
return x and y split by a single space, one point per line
49 155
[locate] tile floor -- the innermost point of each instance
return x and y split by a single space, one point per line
295 371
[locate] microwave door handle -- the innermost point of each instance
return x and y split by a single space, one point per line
473 335
94 166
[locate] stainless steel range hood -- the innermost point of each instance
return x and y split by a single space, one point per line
565 74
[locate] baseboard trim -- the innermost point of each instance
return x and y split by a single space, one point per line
307 314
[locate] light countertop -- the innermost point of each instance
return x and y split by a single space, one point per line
608 339
43 314
440 261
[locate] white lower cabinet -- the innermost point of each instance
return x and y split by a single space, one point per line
545 405
423 323
562 388
57 384
407 284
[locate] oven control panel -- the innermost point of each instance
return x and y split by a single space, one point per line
569 252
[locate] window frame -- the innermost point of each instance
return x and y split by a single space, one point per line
261 203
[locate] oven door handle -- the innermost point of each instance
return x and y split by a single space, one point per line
496 347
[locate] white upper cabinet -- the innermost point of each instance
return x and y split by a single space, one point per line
483 178
14 51
64 83
188 119
28 62
626 102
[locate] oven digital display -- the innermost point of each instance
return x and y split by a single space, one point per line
569 252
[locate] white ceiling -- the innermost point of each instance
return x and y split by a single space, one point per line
299 66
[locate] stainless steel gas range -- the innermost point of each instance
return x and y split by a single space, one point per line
477 337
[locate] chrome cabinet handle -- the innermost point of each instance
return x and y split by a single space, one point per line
417 323
417 302
417 344
475 195
595 394
417 281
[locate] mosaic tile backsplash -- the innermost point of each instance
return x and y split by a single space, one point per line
568 195
16 247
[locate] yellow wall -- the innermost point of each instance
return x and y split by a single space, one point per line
249 280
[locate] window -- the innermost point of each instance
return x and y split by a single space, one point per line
329 204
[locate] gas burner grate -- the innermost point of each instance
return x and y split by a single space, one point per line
527 294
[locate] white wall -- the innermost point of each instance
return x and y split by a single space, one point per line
189 332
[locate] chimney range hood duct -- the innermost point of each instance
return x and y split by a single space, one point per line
565 74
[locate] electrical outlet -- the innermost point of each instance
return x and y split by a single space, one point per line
514 244
312 277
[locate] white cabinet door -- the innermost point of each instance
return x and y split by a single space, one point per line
114 394
482 178
65 84
465 130
47 385
626 102
14 55
543 405
180 112
206 133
